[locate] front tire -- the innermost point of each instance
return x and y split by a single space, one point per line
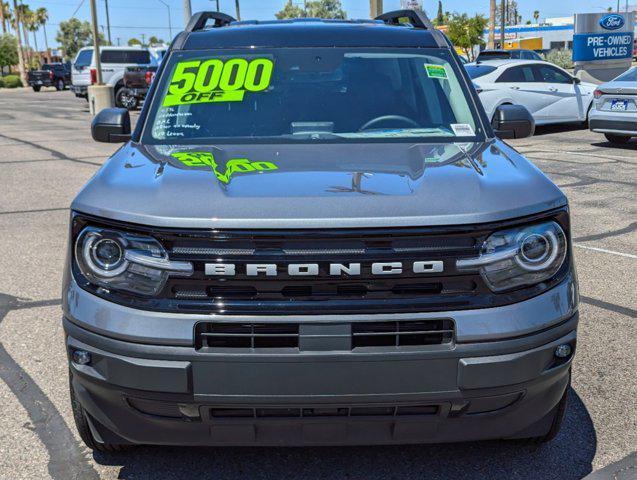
84 429
619 139
36 88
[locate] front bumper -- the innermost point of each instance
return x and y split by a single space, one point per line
467 390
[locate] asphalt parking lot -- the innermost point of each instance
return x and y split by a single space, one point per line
46 155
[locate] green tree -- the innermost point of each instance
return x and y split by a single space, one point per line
466 32
8 51
313 9
536 15
134 41
325 9
74 35
290 10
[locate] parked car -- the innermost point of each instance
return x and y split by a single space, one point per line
137 81
114 61
615 108
318 241
56 75
551 94
516 54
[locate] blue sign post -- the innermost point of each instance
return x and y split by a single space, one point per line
603 45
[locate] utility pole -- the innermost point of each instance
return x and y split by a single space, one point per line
236 7
108 23
502 21
21 67
96 43
187 12
218 5
375 8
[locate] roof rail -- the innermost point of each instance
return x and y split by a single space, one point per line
199 20
417 18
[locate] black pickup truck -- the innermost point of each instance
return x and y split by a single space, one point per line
137 81
56 75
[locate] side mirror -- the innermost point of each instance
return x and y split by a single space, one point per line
111 125
577 80
513 121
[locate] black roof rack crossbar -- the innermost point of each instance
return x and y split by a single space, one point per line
199 20
416 18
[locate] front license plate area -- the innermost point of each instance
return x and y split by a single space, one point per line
318 377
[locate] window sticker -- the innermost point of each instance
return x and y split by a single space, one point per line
436 71
216 80
462 130
236 165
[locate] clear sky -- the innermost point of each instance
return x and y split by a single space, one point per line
131 18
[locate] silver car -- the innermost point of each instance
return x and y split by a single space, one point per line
614 110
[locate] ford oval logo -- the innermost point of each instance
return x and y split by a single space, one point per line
612 22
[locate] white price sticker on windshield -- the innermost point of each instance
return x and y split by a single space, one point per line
462 130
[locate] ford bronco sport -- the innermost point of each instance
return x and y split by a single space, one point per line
314 236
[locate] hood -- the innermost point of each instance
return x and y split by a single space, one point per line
317 186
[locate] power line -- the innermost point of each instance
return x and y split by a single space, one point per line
147 27
78 8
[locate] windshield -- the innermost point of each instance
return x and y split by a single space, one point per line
629 76
84 58
477 71
302 94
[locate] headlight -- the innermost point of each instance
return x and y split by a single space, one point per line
519 256
124 261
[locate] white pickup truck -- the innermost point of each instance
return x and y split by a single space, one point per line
114 62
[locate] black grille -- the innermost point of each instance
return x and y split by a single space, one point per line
324 293
211 336
284 292
401 334
247 335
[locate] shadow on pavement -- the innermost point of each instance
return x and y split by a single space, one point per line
559 128
567 457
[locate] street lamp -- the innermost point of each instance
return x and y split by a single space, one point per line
170 28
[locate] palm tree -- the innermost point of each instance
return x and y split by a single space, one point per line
492 15
16 24
23 14
41 17
536 15
5 14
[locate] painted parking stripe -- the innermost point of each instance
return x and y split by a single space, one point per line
603 250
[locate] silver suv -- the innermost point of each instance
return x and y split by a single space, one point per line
314 236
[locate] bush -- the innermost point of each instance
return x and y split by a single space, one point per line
561 58
11 81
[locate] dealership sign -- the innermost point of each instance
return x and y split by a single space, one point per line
603 39
602 46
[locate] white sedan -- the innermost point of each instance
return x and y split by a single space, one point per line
551 94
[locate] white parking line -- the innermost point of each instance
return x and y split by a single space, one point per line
603 250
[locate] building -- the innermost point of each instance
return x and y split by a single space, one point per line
555 33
